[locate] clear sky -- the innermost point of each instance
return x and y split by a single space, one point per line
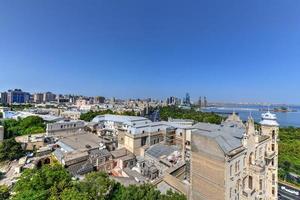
227 50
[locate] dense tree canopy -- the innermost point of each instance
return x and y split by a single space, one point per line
28 125
53 182
42 183
10 150
91 114
4 192
289 151
178 113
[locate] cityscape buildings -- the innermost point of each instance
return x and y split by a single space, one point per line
233 160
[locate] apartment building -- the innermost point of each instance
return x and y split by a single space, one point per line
64 128
133 132
38 97
234 160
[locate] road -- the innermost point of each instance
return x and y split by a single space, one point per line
286 192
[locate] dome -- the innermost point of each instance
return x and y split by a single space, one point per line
269 119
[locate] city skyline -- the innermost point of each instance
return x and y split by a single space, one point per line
153 49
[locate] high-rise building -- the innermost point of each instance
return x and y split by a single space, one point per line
48 97
99 99
205 102
38 97
4 97
234 160
17 96
200 102
187 99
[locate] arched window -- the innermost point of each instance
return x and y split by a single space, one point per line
250 182
273 134
251 158
238 185
244 183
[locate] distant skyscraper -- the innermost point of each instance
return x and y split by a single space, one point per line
205 102
200 102
17 96
4 97
187 98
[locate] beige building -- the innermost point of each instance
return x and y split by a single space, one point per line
38 97
234 160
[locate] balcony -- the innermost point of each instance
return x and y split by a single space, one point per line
269 155
257 169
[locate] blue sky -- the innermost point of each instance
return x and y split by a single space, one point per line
233 50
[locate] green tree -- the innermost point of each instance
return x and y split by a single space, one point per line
48 181
289 154
4 192
53 182
73 194
10 150
97 185
28 125
88 116
178 113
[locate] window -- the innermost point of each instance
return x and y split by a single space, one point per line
273 191
250 182
237 166
260 151
230 170
238 184
273 134
143 141
260 184
251 158
230 192
273 147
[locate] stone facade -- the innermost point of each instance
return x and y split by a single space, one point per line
235 161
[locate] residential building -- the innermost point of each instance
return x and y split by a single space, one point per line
64 128
48 97
38 98
4 99
99 100
234 160
71 114
83 153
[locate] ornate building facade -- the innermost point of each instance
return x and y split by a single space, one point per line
235 160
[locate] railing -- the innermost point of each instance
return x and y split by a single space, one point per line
257 168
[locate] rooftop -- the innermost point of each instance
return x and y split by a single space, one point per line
228 135
82 141
159 150
132 120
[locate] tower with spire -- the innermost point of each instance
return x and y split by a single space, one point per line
270 128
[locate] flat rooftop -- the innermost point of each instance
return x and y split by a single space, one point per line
82 141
